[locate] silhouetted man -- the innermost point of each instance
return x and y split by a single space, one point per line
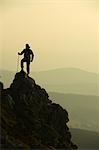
28 57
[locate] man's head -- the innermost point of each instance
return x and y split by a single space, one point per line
27 46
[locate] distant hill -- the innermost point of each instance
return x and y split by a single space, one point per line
86 140
66 80
69 80
83 110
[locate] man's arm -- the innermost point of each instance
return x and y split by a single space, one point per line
32 56
21 53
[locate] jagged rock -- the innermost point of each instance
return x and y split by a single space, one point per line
1 88
30 120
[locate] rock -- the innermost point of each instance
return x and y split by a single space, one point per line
1 88
30 120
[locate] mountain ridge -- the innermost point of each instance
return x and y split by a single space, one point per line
68 69
83 110
72 81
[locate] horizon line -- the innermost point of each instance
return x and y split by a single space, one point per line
53 69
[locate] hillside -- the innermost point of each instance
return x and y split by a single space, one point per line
66 80
86 140
83 110
69 80
29 120
71 76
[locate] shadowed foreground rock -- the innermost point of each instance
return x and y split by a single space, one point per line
29 120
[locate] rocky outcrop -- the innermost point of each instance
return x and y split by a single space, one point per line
1 88
29 119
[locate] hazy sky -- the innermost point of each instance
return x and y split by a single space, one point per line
62 33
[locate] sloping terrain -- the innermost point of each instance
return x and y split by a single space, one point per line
83 110
86 140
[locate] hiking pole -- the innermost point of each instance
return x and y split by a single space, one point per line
18 63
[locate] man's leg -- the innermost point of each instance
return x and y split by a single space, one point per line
22 61
28 67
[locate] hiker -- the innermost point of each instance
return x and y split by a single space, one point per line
28 57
